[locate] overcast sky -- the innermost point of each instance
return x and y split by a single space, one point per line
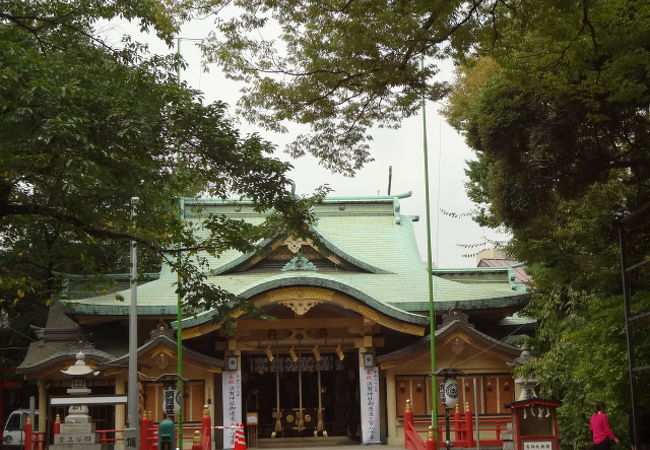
402 149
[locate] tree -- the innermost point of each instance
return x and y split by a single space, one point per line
557 111
338 66
85 127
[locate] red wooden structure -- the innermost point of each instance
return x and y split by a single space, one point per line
461 428
534 424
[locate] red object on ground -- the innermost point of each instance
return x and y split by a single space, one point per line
240 438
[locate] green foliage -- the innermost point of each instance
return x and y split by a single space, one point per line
584 360
338 66
86 127
572 254
564 108
555 105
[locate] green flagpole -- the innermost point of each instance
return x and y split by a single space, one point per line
179 305
432 310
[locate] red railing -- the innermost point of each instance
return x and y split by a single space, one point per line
412 440
199 435
34 440
461 431
149 433
109 436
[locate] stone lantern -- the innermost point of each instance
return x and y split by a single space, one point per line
79 371
526 385
78 431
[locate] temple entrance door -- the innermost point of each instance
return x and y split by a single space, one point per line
295 387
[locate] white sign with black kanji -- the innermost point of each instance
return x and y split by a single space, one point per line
172 399
369 386
231 399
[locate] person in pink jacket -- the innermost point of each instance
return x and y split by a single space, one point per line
600 431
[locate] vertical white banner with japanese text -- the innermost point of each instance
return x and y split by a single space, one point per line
369 386
231 397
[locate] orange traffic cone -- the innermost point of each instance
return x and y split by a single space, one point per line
240 438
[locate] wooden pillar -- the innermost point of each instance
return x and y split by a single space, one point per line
42 405
391 408
120 410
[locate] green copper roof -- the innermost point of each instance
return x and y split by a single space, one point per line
371 231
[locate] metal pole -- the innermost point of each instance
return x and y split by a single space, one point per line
179 345
278 423
32 407
447 430
300 414
320 401
478 429
432 312
628 336
133 335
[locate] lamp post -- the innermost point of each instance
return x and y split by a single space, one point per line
448 395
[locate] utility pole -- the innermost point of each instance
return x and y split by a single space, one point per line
133 402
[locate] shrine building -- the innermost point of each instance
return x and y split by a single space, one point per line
349 342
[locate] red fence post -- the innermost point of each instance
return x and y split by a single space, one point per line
468 426
28 433
206 429
431 441
408 421
56 428
458 429
498 429
151 433
143 431
196 441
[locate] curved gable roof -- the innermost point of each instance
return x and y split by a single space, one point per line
314 280
422 345
323 245
168 342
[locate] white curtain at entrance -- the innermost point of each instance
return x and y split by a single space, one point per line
369 387
231 401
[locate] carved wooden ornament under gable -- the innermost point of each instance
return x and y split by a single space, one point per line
301 300
162 360
457 346
300 307
294 244
455 315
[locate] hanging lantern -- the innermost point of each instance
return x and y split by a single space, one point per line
449 393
